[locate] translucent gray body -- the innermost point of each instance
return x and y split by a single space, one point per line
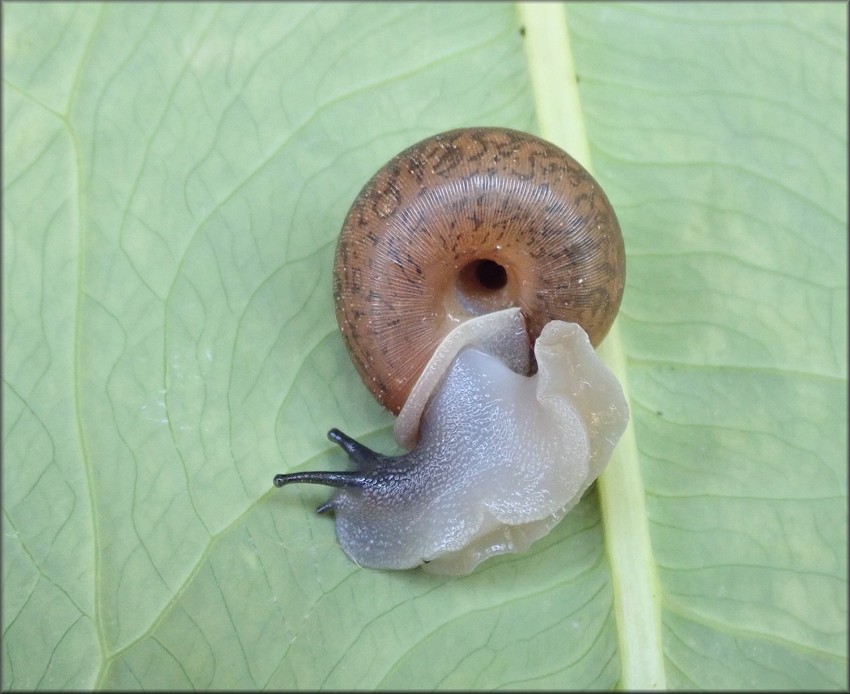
500 456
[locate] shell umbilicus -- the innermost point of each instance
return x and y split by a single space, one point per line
459 255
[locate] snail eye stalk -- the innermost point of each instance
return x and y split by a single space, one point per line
364 458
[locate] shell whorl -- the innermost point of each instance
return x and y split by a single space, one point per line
464 223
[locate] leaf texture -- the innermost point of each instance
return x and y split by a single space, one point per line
175 176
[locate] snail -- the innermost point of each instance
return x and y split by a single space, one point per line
473 276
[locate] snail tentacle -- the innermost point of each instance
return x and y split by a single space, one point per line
365 459
362 456
328 479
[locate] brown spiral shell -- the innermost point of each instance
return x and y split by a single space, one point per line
463 223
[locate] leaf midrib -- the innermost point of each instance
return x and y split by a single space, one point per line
635 586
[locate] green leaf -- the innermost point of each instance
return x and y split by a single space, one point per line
175 176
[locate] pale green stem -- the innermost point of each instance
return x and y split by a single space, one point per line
636 590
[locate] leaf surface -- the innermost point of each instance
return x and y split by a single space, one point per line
175 176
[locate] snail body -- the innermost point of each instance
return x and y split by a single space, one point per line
500 456
473 275
465 223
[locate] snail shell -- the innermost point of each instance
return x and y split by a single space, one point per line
465 223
